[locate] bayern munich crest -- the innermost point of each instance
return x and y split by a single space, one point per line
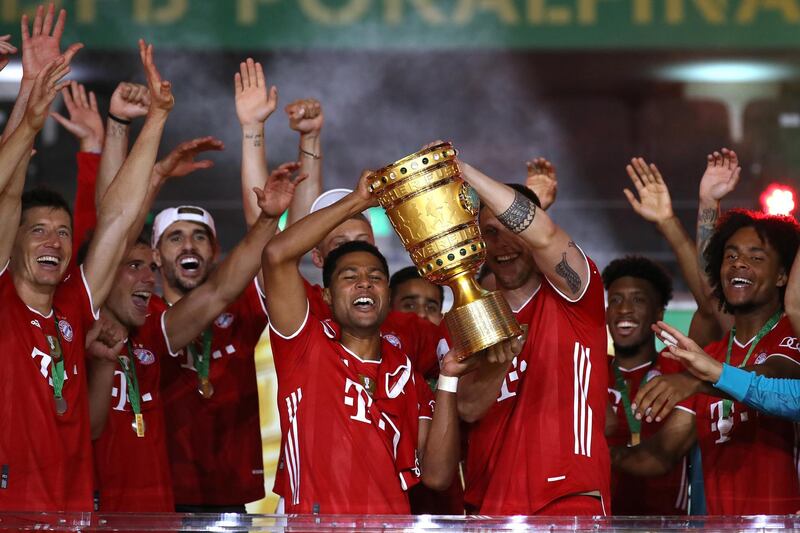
393 340
761 358
144 356
66 330
224 320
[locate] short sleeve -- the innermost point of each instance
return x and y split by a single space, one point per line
689 404
290 350
589 307
425 397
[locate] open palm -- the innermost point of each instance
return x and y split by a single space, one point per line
654 203
278 192
721 175
39 46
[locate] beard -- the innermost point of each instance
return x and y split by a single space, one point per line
625 352
174 280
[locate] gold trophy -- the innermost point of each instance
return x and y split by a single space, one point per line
435 213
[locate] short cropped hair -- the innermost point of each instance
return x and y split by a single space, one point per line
781 232
407 274
42 197
636 266
347 248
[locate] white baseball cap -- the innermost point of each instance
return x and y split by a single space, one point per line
189 213
328 198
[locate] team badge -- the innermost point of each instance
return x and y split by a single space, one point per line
145 357
393 340
224 320
367 383
65 329
761 358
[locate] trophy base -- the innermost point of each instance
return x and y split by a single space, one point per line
480 324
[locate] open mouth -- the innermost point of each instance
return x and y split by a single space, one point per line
141 299
505 258
49 261
625 327
364 303
738 283
189 263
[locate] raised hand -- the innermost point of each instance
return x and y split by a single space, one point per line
182 160
682 348
451 366
39 45
129 101
105 340
721 175
654 203
278 192
161 98
84 120
542 180
45 88
507 350
6 48
305 116
255 101
362 189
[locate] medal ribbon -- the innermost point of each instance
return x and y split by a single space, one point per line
727 405
56 362
635 426
202 362
129 368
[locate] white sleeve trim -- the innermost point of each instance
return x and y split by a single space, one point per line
425 417
95 312
261 297
792 359
296 333
585 287
5 267
166 337
682 408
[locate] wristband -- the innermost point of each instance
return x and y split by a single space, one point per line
115 118
312 155
447 383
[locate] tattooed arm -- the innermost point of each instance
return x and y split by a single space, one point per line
556 255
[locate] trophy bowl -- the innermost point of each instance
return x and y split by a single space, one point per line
435 213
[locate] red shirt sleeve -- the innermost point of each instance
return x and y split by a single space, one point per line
85 216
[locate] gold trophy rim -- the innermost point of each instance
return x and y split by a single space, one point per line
412 156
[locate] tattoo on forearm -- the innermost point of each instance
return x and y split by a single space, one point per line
519 215
115 129
568 273
257 139
706 223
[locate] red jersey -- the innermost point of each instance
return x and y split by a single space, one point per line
543 438
636 495
750 459
215 444
133 473
349 426
45 458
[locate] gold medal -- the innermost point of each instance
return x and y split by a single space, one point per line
138 425
205 388
635 439
61 406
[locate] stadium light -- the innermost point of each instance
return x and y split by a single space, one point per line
778 199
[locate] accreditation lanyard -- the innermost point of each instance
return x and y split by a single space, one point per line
727 405
634 425
202 364
57 370
134 397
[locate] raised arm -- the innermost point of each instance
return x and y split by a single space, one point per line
657 455
306 118
255 102
121 204
84 120
129 101
655 205
191 315
542 181
41 44
15 151
555 253
285 293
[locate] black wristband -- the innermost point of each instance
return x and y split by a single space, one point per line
120 120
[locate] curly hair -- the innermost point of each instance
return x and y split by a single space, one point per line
643 268
782 233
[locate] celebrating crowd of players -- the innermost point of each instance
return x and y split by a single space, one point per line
131 401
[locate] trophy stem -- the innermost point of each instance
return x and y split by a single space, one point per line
465 289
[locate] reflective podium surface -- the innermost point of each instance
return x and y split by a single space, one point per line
257 523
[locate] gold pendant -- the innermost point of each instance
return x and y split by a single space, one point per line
61 406
635 439
205 388
138 425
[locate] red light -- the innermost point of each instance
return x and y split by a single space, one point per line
778 199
